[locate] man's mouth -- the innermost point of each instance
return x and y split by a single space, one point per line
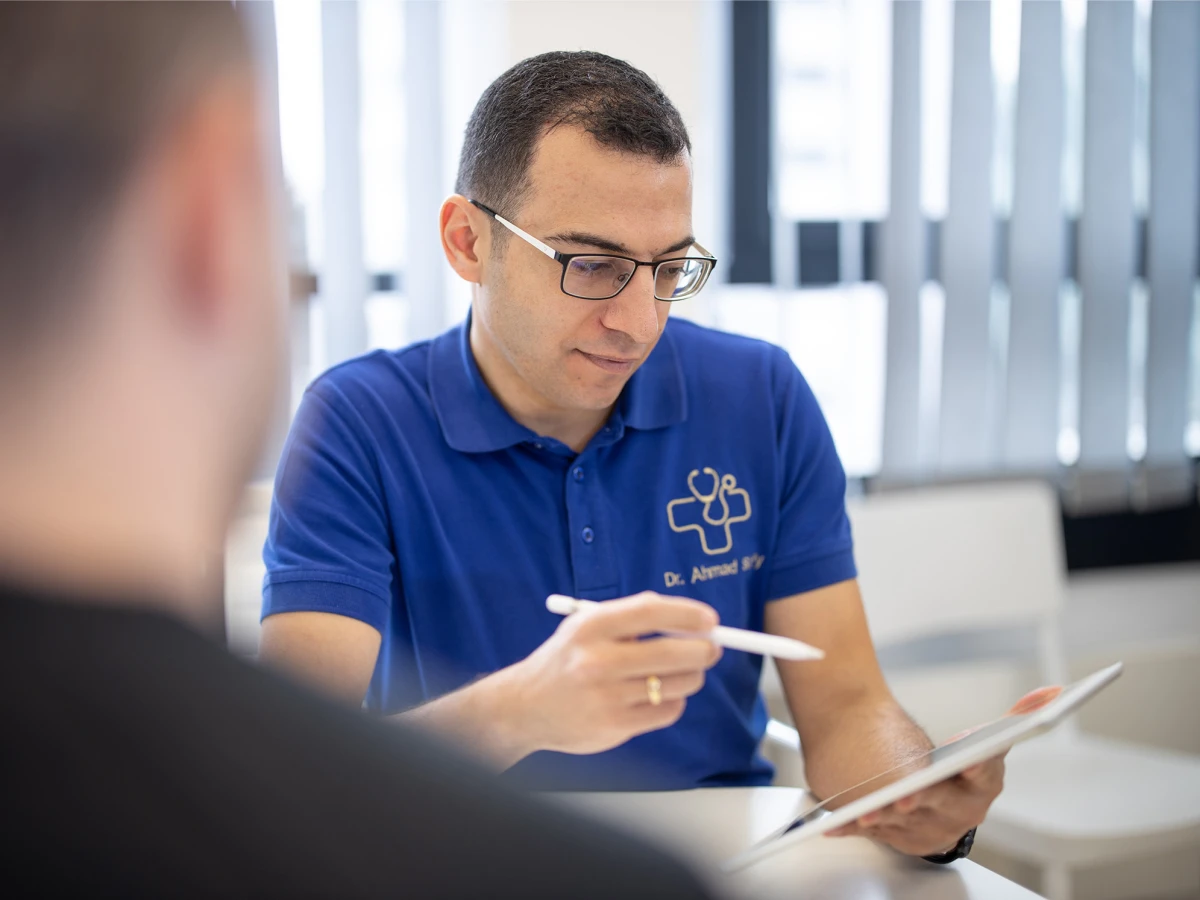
616 365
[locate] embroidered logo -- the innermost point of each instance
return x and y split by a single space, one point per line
712 513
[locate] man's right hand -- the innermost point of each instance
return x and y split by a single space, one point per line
583 691
586 690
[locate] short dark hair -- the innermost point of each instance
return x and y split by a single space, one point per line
619 105
84 87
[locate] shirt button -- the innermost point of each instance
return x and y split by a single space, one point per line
577 473
588 535
538 445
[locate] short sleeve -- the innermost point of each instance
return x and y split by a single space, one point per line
813 547
329 546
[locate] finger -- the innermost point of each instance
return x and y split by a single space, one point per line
964 796
949 799
915 842
898 809
648 613
912 842
951 811
921 822
892 816
635 691
870 820
851 830
1035 699
644 718
662 656
987 776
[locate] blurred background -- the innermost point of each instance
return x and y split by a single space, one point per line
974 225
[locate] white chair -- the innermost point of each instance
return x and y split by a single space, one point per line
973 559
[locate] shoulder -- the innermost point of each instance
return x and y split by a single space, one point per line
387 371
371 392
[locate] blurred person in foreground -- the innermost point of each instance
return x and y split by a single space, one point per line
138 340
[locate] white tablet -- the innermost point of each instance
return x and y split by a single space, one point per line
938 764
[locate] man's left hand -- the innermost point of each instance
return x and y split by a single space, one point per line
932 821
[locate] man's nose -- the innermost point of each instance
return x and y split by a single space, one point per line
634 311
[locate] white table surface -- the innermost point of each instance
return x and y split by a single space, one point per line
711 825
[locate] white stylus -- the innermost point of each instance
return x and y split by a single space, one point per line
734 638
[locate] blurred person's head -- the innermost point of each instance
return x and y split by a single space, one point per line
138 289
587 154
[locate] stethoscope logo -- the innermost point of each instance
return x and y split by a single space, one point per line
714 507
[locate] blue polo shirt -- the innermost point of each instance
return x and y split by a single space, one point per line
409 499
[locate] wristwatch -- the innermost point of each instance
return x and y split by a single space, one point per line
959 851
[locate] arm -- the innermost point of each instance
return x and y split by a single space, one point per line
852 728
850 725
333 654
583 691
336 655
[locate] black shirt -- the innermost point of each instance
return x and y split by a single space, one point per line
138 758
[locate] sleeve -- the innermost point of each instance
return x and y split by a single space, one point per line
329 545
813 547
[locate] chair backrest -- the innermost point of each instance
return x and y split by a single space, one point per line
962 559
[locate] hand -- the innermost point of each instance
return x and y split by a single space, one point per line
585 689
930 822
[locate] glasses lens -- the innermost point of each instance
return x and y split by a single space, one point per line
678 279
596 277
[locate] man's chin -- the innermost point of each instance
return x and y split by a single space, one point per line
597 399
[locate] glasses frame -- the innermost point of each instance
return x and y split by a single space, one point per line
565 260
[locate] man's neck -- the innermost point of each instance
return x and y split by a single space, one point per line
573 427
76 518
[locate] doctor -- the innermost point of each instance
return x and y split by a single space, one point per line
571 438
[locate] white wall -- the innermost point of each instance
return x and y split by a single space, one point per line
682 44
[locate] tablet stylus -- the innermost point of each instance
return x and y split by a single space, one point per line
733 638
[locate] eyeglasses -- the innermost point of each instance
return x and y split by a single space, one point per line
601 276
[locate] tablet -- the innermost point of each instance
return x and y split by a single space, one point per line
938 764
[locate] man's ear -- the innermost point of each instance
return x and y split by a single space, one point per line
206 159
465 238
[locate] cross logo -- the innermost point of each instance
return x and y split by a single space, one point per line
710 514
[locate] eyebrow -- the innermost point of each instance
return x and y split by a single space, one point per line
586 239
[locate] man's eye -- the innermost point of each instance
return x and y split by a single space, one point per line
592 267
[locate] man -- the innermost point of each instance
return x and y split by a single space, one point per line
137 343
569 439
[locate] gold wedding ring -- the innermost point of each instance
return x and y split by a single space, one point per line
654 689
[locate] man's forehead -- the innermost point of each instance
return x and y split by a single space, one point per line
571 153
578 184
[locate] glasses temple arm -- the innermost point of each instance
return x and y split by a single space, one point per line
524 235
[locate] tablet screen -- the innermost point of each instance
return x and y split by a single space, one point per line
1036 712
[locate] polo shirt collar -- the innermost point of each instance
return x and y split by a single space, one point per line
473 421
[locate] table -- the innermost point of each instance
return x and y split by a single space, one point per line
710 825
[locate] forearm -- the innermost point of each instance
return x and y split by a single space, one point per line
869 735
483 718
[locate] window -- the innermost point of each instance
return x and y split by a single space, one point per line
381 139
